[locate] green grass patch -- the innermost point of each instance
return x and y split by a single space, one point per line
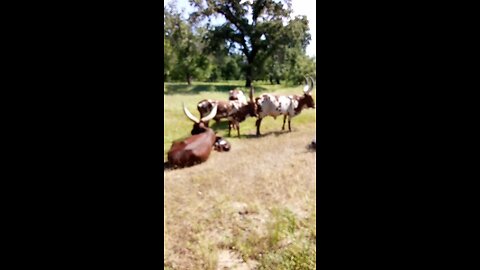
207 251
290 246
288 243
177 126
296 256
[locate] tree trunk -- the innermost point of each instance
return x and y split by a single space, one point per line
249 75
248 83
189 79
277 80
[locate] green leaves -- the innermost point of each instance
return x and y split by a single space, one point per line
271 42
184 48
256 27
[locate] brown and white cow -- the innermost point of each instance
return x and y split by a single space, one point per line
236 94
224 107
196 148
205 107
239 112
288 106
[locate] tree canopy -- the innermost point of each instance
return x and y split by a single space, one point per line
259 40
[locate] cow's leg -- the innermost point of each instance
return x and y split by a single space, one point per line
229 127
258 123
289 128
238 130
285 118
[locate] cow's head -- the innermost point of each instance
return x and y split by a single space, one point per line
221 145
307 90
236 94
201 125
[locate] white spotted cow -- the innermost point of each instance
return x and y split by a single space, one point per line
288 106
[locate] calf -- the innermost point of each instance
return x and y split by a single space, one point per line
196 148
288 106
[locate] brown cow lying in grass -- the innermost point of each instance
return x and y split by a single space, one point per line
196 148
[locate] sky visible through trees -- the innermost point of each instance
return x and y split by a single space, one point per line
211 40
300 7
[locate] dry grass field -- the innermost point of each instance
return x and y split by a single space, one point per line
250 208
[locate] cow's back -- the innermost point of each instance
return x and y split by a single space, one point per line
193 150
205 107
274 105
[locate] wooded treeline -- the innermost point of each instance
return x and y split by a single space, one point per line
259 40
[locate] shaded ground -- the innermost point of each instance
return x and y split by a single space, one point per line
171 89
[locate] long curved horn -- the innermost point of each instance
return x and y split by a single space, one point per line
251 93
211 114
313 85
189 115
306 88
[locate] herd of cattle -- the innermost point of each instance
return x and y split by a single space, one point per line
196 148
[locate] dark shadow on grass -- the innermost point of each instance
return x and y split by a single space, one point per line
222 124
172 89
253 136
